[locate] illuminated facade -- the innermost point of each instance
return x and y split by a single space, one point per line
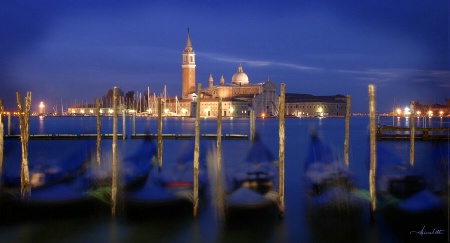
238 96
188 70
306 105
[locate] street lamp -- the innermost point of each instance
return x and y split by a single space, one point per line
407 111
41 107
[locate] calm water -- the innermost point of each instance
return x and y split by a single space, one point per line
207 227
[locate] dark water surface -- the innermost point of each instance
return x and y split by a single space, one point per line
207 227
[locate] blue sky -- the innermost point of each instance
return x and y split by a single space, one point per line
67 51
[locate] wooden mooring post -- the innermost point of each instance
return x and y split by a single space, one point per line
219 197
412 132
134 123
124 127
160 144
114 155
197 149
1 141
281 134
99 133
252 125
9 123
347 131
373 153
24 117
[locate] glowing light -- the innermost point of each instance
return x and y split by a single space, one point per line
41 107
184 111
110 111
441 113
407 111
399 111
430 113
231 109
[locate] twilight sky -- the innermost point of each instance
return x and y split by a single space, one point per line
75 50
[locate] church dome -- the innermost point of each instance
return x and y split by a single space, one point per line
240 78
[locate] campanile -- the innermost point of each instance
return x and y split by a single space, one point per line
188 69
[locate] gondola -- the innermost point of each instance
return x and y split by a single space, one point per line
56 185
407 202
44 169
133 167
78 197
333 207
168 190
251 188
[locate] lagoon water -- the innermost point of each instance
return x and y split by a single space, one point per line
207 227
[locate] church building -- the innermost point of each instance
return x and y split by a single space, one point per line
238 96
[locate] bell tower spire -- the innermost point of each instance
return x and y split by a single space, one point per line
188 69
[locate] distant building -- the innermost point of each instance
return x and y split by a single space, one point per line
91 110
431 110
306 105
238 97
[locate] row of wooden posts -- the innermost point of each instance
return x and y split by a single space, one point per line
24 115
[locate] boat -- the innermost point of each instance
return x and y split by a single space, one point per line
57 188
333 207
251 195
407 201
78 197
168 190
133 168
62 200
44 169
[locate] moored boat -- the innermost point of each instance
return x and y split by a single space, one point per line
251 188
406 200
79 197
45 169
133 167
169 190
333 207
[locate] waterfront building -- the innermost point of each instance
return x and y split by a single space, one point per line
306 105
238 96
430 110
261 97
91 110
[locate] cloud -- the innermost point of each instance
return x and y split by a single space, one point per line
257 63
439 77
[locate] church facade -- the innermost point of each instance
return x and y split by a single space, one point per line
238 96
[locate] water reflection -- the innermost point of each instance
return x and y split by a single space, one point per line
41 125
207 228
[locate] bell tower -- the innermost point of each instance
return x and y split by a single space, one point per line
188 69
